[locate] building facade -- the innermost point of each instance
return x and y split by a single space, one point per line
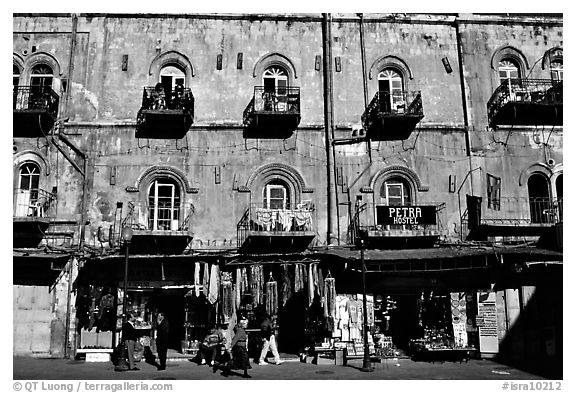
242 149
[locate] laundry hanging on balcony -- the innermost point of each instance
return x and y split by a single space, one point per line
271 297
214 285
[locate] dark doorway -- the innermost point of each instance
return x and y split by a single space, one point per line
291 325
171 303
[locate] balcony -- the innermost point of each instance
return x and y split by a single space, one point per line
392 227
165 115
511 216
33 211
392 116
35 111
272 114
162 229
526 102
263 230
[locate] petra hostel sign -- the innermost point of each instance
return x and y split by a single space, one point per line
406 215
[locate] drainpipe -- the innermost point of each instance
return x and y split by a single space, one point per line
464 101
364 81
73 40
328 119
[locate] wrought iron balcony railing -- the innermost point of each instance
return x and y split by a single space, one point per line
284 100
176 99
535 91
34 203
35 98
257 218
165 216
515 211
400 104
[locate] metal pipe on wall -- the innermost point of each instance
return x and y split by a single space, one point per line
364 81
328 121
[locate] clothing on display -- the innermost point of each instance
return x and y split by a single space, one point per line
214 285
228 298
238 288
205 277
310 284
271 297
286 285
197 278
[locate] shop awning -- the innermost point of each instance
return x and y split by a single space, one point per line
37 267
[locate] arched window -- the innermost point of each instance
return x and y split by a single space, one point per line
557 70
539 199
508 69
276 196
391 88
275 79
41 77
559 196
173 80
163 204
27 193
395 191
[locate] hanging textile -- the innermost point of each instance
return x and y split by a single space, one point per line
256 283
227 298
310 284
214 285
197 279
271 297
238 287
244 287
298 280
320 283
205 278
330 293
286 285
261 282
315 275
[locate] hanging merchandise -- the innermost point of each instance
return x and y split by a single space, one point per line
205 278
330 293
238 287
286 285
298 284
244 287
256 286
310 285
271 297
214 285
261 282
197 279
227 298
320 283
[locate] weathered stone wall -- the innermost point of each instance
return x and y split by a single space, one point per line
105 100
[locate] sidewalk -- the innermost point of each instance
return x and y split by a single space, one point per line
26 368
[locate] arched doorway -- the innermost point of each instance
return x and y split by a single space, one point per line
164 205
539 199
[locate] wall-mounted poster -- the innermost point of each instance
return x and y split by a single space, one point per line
487 322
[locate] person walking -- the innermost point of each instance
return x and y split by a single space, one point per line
239 351
162 333
129 336
268 342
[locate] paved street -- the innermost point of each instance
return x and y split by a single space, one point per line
181 369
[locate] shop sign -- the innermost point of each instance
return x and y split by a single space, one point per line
487 322
157 284
406 215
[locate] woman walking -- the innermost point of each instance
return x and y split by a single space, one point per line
240 360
